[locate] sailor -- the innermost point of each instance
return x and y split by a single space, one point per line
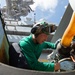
32 46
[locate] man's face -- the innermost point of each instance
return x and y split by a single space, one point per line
41 38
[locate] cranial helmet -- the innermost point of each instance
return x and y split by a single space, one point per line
40 27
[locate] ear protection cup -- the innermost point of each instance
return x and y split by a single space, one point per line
34 29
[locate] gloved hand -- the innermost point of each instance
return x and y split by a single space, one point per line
58 41
51 57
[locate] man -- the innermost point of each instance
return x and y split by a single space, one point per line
32 46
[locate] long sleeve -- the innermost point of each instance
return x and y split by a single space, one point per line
49 45
34 63
32 52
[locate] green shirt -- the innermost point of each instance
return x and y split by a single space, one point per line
32 52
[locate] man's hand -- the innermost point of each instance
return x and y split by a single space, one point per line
57 42
57 66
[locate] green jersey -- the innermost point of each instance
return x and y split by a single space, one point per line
32 52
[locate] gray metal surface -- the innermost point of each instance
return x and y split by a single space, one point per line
8 70
14 38
18 28
63 24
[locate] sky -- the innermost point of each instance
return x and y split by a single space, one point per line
50 10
